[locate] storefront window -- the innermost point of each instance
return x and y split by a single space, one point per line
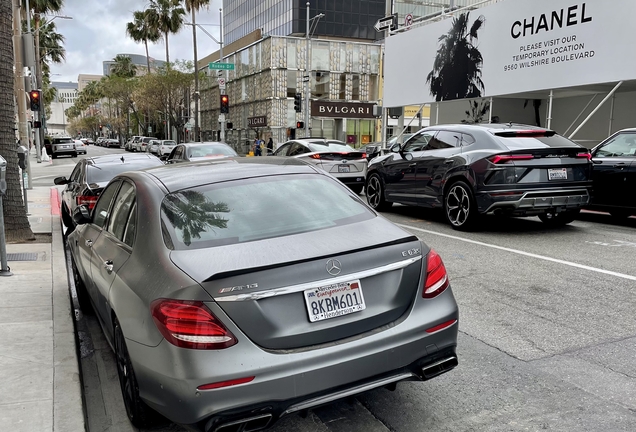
320 85
374 54
355 67
320 56
292 83
291 54
359 132
355 92
343 87
374 88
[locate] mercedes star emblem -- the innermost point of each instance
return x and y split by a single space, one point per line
334 267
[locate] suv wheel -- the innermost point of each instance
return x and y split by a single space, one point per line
375 194
460 208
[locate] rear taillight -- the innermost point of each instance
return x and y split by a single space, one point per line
498 159
87 200
190 324
364 156
315 156
436 277
587 156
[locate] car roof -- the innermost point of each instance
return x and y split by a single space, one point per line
487 127
201 173
118 158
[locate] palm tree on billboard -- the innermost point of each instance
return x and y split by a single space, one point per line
456 71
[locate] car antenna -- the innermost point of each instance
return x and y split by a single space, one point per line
122 160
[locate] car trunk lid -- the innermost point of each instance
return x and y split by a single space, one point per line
263 292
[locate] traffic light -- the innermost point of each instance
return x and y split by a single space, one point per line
298 102
35 96
300 125
225 104
229 125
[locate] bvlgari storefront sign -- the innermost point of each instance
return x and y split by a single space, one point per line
342 109
254 122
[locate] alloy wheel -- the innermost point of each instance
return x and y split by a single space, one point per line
374 192
458 205
124 371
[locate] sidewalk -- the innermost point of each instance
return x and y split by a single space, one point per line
40 387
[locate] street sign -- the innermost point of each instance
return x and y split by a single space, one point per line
221 83
388 22
221 66
408 20
221 118
306 78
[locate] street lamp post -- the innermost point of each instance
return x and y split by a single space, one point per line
222 91
307 77
196 78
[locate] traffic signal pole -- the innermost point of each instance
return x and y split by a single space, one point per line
308 75
221 73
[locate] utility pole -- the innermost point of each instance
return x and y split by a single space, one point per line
221 73
385 110
307 78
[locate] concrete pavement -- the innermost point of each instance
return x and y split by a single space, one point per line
40 388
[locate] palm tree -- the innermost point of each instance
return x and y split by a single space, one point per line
456 71
140 30
123 67
194 6
16 223
166 16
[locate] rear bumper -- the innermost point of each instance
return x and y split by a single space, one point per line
352 180
532 202
293 380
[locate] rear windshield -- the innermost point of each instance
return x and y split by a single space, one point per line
256 209
330 147
210 151
63 141
169 143
556 141
105 172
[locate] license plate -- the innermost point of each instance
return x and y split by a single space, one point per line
65 147
335 300
557 174
344 168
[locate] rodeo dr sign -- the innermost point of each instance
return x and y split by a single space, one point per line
512 47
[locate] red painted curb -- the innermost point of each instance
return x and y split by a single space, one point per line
55 202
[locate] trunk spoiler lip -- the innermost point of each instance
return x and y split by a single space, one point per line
239 272
313 284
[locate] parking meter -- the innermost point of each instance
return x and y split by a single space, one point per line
22 157
3 176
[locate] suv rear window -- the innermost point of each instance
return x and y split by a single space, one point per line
256 209
63 141
520 142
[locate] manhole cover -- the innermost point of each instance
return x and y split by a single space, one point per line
22 257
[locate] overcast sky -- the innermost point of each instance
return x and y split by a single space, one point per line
97 32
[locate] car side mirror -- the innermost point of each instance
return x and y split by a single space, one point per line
81 215
408 156
61 181
396 148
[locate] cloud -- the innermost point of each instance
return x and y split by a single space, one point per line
97 33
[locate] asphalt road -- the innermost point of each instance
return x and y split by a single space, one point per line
547 335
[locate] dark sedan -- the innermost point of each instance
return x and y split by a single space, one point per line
89 177
614 175
471 170
237 291
195 152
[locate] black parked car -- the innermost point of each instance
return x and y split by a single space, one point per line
470 170
91 175
614 174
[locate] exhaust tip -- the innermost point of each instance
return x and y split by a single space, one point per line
439 367
250 424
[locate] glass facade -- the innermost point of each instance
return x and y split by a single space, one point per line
421 8
270 72
342 18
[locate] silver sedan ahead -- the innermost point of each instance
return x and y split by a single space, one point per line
238 291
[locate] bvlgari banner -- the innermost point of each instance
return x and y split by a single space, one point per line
510 47
360 110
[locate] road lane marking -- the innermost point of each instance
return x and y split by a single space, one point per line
528 254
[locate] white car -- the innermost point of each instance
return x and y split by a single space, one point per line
80 147
166 148
336 157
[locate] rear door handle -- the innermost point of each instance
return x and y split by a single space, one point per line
108 265
620 165
89 243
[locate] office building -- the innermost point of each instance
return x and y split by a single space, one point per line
350 19
65 96
140 62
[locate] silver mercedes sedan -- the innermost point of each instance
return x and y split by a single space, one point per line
236 292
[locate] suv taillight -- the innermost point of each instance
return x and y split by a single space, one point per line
498 159
436 277
190 324
87 200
